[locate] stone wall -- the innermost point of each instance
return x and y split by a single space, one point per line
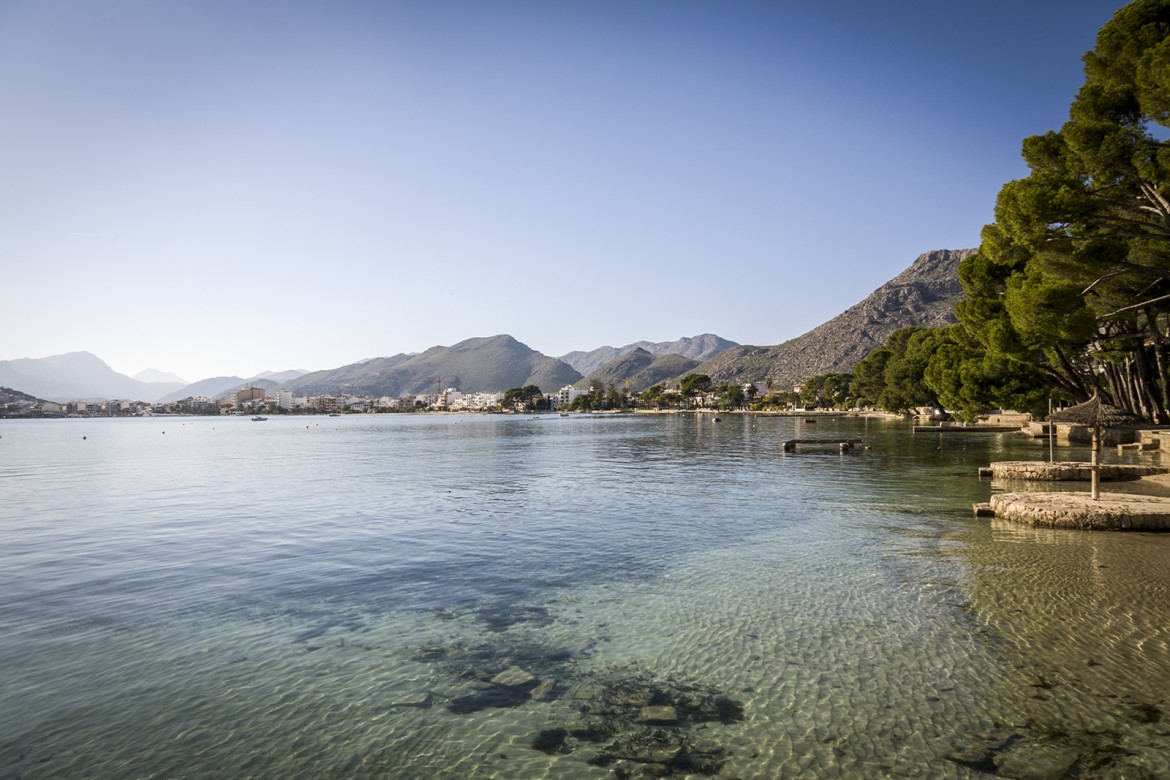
1043 471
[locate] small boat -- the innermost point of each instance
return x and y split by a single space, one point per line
258 418
809 421
334 414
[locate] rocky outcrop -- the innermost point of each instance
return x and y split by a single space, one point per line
924 295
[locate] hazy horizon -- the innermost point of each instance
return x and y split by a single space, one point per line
216 189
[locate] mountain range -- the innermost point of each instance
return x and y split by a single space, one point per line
696 348
478 364
924 294
77 376
81 376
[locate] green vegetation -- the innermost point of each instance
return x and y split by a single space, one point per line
528 398
693 384
826 391
1069 293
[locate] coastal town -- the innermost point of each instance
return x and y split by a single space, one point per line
256 400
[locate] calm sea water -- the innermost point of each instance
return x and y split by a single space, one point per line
666 595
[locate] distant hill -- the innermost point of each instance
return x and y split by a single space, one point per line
280 376
10 396
638 369
219 387
267 384
697 348
159 377
488 364
342 380
76 376
924 294
207 388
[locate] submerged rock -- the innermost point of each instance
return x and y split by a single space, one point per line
421 700
551 741
641 727
979 751
1037 761
659 715
1145 713
501 617
634 724
1036 753
496 696
545 690
515 676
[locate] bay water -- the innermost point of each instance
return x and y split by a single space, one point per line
446 596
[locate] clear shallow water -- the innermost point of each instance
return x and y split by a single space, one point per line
325 597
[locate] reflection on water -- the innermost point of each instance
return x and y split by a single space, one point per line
504 597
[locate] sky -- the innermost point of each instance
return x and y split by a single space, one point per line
224 188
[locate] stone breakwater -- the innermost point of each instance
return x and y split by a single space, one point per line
1112 512
1043 471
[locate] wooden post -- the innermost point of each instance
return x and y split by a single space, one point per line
1094 467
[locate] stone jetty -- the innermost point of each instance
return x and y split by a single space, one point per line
1043 471
1111 512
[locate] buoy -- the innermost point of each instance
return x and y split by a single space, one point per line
83 438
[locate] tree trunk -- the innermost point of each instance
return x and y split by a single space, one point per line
1069 376
1159 348
1150 401
1136 400
1112 392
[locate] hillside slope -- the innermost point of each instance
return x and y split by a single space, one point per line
77 376
638 369
696 348
924 294
488 364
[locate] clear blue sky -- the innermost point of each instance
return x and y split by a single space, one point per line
221 187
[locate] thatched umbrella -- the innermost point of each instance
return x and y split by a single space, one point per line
1097 414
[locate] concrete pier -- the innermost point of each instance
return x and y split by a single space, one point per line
951 428
1043 471
842 444
1111 512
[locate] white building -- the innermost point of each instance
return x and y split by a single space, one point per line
564 396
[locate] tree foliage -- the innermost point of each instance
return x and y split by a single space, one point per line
528 398
826 391
1070 288
693 384
944 367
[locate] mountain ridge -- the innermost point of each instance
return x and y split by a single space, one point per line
697 348
491 363
638 369
76 376
924 294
